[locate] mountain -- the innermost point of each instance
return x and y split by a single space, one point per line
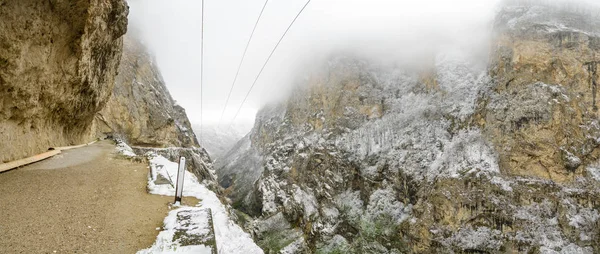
141 110
220 139
58 62
372 158
142 113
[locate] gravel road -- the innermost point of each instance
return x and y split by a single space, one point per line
85 200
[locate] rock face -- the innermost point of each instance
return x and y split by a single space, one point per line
366 158
546 99
58 60
142 113
141 110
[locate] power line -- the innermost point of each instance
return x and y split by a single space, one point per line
201 68
266 62
242 61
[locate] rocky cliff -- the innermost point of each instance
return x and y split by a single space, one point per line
58 60
366 158
142 113
141 110
543 113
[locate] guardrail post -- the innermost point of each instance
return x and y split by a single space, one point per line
179 186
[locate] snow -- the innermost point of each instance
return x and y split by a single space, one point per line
337 242
569 249
164 241
579 220
418 132
383 202
230 238
594 171
543 14
580 217
543 227
268 200
350 204
504 184
466 152
181 127
294 247
369 172
308 201
572 159
329 220
330 212
481 238
123 149
459 80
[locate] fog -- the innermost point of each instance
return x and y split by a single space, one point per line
387 30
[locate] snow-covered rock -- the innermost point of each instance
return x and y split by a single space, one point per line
372 158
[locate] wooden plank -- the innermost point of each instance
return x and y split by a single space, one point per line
63 148
53 151
28 160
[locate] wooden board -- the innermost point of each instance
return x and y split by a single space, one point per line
63 148
53 151
28 160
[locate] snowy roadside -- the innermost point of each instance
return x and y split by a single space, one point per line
124 149
189 226
229 237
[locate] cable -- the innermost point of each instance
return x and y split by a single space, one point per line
201 69
269 58
242 61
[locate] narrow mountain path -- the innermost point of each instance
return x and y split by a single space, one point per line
85 200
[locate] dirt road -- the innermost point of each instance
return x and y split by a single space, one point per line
86 200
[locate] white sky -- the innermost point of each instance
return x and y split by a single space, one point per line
392 29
